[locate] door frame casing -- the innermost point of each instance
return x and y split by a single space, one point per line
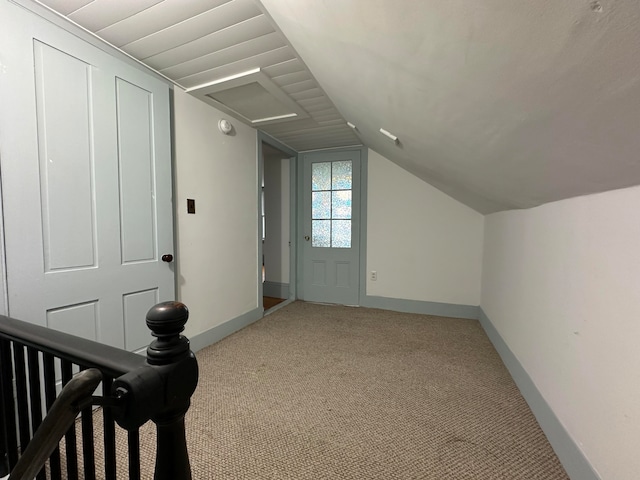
293 167
364 151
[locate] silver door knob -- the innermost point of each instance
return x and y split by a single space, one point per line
307 237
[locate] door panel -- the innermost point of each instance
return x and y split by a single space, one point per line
135 155
65 158
81 320
86 183
135 307
331 227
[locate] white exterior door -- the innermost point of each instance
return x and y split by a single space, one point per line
86 184
331 227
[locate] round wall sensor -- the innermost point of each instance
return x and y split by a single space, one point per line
225 126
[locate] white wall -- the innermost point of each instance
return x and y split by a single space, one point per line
423 244
561 285
277 191
217 248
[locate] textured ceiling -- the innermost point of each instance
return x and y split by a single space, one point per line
500 104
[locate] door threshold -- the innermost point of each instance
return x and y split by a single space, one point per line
277 307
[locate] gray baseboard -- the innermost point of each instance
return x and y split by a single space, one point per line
217 333
275 289
572 458
418 306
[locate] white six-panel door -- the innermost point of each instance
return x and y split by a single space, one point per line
86 184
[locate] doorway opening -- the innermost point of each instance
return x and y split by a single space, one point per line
276 227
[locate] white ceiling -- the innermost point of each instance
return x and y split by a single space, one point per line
198 42
499 103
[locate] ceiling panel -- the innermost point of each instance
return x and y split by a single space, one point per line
289 78
102 13
255 27
316 138
258 61
331 132
154 19
206 46
65 7
248 49
290 66
299 86
311 103
320 110
193 28
304 144
314 92
300 126
327 118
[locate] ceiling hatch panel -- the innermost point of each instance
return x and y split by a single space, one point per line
252 101
251 96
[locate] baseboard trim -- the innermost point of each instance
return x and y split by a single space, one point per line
423 307
217 333
571 456
275 289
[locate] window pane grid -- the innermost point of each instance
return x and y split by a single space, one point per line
331 185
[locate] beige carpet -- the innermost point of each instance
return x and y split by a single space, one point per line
323 392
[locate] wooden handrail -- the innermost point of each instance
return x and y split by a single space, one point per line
111 361
59 419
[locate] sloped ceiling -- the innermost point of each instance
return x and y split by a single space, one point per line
500 103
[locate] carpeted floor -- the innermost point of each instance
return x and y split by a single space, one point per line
323 392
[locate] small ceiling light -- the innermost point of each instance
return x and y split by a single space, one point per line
351 125
390 135
225 126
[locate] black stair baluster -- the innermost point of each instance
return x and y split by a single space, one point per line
9 411
71 440
50 397
88 449
109 435
35 394
21 395
134 454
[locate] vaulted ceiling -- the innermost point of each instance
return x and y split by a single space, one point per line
500 104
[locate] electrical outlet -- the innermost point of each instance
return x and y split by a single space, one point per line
374 275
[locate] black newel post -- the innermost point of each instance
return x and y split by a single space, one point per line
170 352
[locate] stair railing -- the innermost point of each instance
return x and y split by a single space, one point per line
135 390
58 421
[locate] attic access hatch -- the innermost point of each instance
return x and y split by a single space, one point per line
251 97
